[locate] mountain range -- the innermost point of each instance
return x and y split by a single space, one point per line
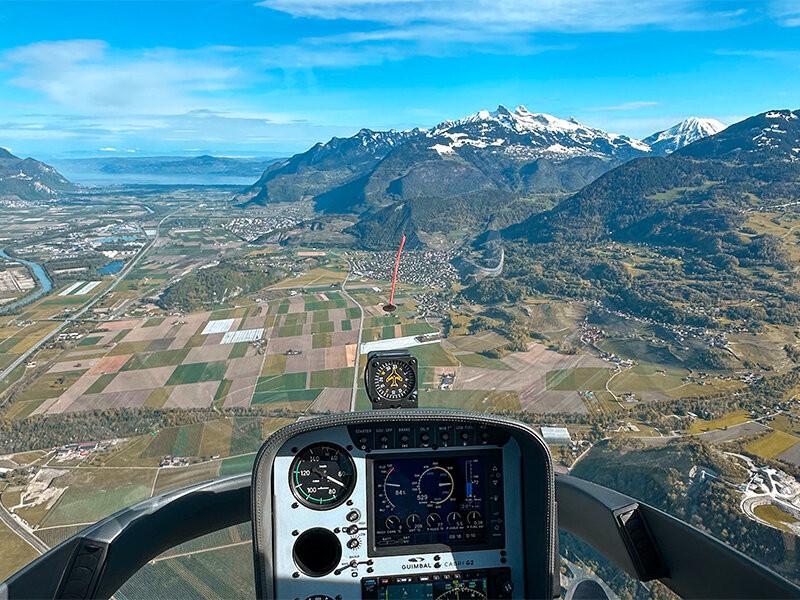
168 165
503 152
29 179
695 193
477 167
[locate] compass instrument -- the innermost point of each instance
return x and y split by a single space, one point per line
391 379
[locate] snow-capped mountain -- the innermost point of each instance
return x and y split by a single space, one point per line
29 179
509 151
528 135
768 137
682 134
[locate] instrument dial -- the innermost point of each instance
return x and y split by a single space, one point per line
393 379
322 476
462 592
435 486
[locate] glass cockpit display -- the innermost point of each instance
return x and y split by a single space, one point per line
452 499
464 585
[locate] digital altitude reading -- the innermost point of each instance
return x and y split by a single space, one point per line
322 476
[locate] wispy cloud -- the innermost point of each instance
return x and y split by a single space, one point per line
89 75
789 57
786 12
525 15
626 106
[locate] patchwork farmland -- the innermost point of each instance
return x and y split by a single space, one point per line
283 354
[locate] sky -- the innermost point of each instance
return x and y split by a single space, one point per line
236 78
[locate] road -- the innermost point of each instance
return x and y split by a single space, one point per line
21 531
354 393
23 357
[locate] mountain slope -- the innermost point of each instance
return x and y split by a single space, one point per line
29 179
323 166
682 134
503 151
659 199
770 136
456 177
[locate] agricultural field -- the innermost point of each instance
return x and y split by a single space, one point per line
15 554
772 444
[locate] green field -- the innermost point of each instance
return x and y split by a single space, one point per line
578 378
337 378
237 465
50 385
433 355
287 381
772 444
15 554
774 515
197 372
219 573
321 340
239 350
179 477
153 321
90 341
322 327
478 360
188 441
297 400
164 358
701 425
101 383
96 493
477 400
289 331
162 444
246 436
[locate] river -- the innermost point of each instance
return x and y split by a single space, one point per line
45 285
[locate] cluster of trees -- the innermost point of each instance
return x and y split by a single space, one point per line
48 431
213 285
659 476
663 286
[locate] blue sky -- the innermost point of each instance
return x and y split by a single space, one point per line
246 78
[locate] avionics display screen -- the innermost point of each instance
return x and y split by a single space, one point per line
464 585
450 498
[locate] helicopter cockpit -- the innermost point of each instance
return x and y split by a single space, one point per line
402 502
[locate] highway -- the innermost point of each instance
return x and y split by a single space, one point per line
87 307
21 531
356 374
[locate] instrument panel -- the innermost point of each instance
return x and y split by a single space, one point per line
453 499
398 510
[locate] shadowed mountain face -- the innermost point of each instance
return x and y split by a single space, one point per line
504 151
459 175
29 179
694 198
